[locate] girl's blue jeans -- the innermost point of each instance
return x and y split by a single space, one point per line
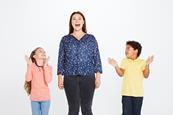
40 107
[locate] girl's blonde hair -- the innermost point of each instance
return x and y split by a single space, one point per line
27 85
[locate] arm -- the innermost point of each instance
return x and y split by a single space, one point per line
98 65
97 80
60 65
119 70
28 75
47 73
146 71
60 81
97 60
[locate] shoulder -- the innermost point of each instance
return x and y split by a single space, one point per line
124 60
32 66
91 37
141 61
65 37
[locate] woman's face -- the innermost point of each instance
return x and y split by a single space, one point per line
40 54
77 22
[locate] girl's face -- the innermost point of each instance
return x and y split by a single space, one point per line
40 54
77 22
130 52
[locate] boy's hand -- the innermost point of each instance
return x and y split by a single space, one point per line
28 60
112 62
150 60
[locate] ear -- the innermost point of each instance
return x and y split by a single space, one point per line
136 51
34 56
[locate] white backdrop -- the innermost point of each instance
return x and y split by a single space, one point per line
26 24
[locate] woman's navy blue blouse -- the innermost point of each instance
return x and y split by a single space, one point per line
79 57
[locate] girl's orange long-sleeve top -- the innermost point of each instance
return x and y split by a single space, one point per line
40 78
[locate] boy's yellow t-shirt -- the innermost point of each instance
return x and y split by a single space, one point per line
132 84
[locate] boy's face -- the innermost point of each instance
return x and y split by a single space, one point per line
131 52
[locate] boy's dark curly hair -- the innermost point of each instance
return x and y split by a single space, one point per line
136 46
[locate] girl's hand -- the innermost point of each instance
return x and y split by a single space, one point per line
97 80
60 82
150 60
112 62
28 60
46 61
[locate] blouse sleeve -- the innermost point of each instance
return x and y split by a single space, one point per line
60 65
97 60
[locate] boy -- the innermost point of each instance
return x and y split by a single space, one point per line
133 70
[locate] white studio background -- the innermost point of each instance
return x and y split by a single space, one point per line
27 24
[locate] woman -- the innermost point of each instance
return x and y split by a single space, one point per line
79 62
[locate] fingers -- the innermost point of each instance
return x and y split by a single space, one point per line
111 60
48 58
61 86
152 57
97 83
26 58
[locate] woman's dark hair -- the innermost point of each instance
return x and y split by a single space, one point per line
71 29
136 46
27 85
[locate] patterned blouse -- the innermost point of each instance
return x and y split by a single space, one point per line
79 57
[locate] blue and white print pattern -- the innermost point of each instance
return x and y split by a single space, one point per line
79 57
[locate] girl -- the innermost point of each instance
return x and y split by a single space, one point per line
38 75
79 62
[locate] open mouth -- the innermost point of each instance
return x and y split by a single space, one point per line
77 25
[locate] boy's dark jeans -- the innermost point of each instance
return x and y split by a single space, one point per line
79 92
131 105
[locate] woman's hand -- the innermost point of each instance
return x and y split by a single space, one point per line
97 80
60 82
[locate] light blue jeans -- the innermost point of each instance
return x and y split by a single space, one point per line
40 107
